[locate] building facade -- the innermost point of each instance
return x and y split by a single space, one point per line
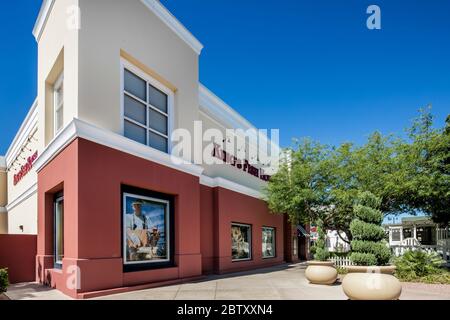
92 172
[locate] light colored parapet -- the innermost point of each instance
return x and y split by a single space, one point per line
3 180
3 197
3 221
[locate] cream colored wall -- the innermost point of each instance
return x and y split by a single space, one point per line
24 215
57 50
224 170
30 179
3 201
3 188
130 27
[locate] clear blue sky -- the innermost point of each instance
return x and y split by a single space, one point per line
310 68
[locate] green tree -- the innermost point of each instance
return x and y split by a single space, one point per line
426 168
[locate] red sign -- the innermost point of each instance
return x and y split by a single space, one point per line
240 164
26 168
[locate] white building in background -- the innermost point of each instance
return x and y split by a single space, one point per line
419 233
336 243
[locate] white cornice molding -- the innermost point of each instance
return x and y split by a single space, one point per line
80 129
22 135
216 108
230 185
42 18
24 196
165 16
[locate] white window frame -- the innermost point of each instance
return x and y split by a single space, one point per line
58 84
250 242
124 64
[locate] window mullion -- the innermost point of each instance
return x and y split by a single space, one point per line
148 113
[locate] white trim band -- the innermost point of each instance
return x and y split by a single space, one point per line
80 129
230 185
24 196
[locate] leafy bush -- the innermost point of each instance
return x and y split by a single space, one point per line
368 214
341 270
320 250
363 259
4 282
366 231
368 246
380 250
321 254
416 264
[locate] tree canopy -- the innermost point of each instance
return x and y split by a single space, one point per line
317 182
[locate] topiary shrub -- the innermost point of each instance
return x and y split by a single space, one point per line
319 249
368 246
4 282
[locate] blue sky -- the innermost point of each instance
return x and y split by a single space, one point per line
309 68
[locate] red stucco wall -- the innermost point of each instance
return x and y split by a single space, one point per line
235 207
91 176
18 253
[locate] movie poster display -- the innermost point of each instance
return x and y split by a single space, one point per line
268 242
241 242
146 236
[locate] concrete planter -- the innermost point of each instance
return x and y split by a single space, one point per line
371 283
321 272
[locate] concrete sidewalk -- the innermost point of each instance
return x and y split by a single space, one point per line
286 282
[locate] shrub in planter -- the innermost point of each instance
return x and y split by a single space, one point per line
320 250
368 246
320 270
370 279
4 282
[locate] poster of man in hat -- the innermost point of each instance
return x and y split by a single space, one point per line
145 225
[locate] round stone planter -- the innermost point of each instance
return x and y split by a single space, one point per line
371 283
321 272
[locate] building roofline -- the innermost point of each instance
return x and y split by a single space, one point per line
174 24
42 18
153 5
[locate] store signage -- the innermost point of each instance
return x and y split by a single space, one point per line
243 165
25 169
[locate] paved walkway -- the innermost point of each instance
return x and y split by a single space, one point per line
286 282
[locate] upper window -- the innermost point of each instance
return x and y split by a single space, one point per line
58 98
146 108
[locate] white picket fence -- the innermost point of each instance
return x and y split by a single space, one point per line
341 262
443 251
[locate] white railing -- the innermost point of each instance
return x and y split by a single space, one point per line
341 262
443 251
